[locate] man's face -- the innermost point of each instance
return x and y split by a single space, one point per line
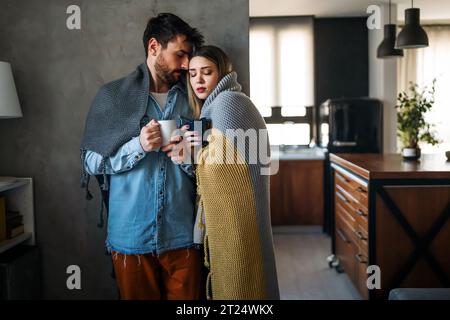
172 59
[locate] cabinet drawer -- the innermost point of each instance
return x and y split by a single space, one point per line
352 230
361 263
346 223
357 210
361 215
345 250
362 240
352 254
358 191
344 210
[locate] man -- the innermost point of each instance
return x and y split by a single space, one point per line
151 198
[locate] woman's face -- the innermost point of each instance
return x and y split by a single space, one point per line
203 76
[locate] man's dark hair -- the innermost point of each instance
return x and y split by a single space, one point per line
166 26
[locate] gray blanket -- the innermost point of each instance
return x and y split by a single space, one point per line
113 119
115 115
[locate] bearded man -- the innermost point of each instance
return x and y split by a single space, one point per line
149 198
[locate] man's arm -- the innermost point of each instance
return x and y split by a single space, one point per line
126 158
129 154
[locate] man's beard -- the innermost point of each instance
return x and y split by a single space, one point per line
164 73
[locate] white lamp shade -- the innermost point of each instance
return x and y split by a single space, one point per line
9 102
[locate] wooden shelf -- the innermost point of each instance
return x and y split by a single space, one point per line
20 182
8 244
19 197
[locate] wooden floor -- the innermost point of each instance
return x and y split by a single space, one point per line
303 272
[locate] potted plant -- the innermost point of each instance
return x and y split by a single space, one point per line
411 125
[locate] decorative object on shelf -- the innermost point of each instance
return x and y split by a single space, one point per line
387 49
14 224
9 102
411 125
412 35
447 154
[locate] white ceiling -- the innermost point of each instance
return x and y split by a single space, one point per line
431 10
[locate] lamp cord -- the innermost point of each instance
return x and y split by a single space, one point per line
389 11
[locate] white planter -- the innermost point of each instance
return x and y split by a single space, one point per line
411 153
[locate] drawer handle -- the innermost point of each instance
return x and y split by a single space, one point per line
360 189
342 178
360 235
342 197
361 258
361 213
339 232
345 143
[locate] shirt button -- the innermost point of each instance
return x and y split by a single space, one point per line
159 216
162 169
160 192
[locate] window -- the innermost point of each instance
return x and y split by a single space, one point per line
422 66
282 74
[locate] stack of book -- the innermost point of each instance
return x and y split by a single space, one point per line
14 224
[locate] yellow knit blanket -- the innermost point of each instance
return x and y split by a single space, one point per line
232 243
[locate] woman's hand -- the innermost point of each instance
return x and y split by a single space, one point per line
181 147
192 138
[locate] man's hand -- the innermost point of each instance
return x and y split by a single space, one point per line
150 136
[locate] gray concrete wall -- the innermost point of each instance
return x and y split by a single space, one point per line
57 73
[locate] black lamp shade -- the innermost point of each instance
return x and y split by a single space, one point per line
412 35
387 49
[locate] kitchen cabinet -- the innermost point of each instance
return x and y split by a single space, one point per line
395 215
297 193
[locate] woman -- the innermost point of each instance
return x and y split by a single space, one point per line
234 195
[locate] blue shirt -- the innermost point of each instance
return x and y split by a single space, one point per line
151 199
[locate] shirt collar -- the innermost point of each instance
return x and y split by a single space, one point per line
177 86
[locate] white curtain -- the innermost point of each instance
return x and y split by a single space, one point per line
422 66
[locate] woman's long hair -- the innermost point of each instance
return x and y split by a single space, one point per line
224 66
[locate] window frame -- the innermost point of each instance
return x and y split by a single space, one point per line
276 111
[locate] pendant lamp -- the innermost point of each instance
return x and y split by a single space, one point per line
412 35
387 49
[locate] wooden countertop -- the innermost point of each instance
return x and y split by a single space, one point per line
392 166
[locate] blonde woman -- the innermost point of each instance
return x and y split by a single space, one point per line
234 196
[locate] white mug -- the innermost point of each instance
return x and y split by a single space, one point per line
168 129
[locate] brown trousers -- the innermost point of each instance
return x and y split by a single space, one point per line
173 275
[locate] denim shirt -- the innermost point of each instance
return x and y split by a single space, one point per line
151 199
